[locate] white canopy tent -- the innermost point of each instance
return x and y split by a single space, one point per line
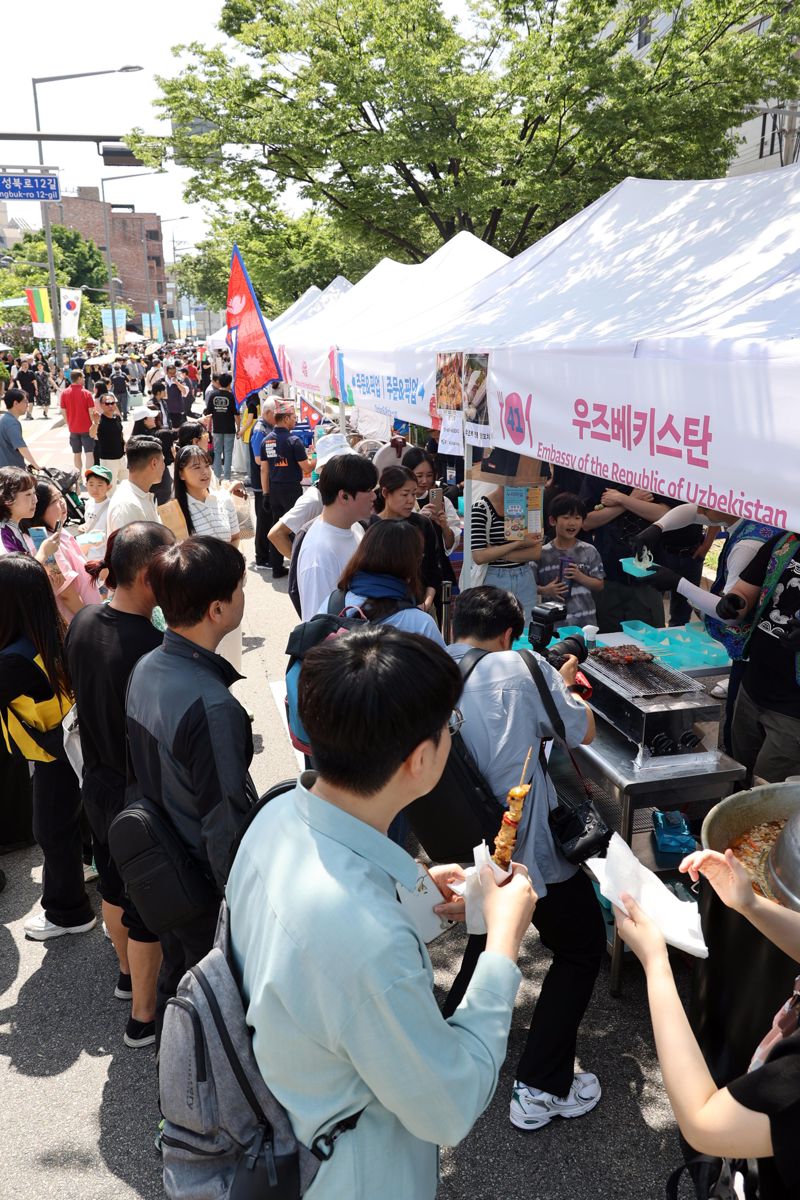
377 304
218 340
312 301
651 339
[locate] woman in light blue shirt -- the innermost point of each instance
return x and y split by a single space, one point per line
383 580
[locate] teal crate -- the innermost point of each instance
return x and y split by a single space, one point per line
638 629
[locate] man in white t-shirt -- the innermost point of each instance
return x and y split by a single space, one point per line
309 506
133 500
347 490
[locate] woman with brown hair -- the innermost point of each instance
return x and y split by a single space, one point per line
383 580
397 501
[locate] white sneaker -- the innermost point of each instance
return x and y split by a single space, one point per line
41 930
720 690
533 1109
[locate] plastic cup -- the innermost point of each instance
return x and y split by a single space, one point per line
590 633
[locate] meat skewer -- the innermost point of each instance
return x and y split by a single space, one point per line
621 656
506 838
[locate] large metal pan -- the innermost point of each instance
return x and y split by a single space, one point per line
738 989
778 873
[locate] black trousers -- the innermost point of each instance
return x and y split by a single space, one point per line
57 829
263 526
571 926
734 683
182 948
282 497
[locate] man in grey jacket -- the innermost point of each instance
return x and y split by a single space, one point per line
190 741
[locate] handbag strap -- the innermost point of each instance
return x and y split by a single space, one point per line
549 703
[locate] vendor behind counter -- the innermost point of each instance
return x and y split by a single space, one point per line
625 513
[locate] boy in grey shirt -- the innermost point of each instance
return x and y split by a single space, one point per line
569 570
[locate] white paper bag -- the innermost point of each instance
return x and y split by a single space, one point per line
471 888
620 871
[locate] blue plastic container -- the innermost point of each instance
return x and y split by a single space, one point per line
639 629
631 566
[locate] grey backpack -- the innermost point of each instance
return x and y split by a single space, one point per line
225 1135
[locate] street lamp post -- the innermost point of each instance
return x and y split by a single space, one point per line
147 284
170 221
48 234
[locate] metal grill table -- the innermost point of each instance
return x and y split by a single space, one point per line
644 678
621 791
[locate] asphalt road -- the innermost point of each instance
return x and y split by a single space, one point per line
79 1108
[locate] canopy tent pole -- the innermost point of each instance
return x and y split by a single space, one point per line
466 569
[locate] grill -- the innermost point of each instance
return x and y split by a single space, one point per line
657 709
643 678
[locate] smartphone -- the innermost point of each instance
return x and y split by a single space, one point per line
37 534
436 498
58 527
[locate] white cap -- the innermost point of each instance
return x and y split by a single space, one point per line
142 411
331 446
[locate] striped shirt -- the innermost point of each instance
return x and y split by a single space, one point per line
488 529
215 516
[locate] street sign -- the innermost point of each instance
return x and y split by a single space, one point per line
28 186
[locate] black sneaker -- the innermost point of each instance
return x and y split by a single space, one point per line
124 989
139 1033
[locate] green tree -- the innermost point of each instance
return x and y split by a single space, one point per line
404 127
78 262
284 256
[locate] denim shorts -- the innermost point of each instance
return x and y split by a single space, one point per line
519 580
81 441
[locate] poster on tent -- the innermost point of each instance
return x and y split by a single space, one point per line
449 383
451 434
477 430
722 435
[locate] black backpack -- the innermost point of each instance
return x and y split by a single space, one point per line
461 811
294 590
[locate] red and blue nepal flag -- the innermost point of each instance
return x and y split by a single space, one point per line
254 363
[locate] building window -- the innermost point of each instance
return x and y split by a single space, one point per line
153 235
160 287
644 33
155 260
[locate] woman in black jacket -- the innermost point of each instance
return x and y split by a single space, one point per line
397 492
35 695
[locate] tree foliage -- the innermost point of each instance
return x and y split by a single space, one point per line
403 126
78 262
284 256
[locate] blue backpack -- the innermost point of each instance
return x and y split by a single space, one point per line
304 637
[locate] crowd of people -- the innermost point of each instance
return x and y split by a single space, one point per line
135 620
